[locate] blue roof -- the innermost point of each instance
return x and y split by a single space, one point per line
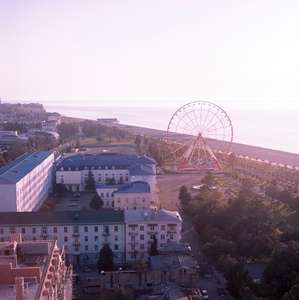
108 186
17 169
137 165
134 187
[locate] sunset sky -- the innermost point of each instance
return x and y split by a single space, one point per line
149 53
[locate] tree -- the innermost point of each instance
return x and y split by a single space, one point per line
119 294
90 182
154 247
282 272
105 260
59 188
96 202
184 196
293 294
237 281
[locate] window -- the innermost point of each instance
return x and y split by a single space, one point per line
65 229
1 231
141 228
115 247
65 239
34 238
33 230
142 237
162 237
76 229
115 228
96 247
23 230
132 237
96 229
86 247
106 228
152 236
86 238
12 230
162 227
55 229
85 229
96 238
116 238
141 246
171 236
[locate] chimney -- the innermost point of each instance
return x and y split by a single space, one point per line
19 288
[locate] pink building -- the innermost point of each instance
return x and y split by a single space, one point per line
33 270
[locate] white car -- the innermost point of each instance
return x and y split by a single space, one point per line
205 294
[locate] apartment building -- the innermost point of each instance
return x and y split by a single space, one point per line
129 233
133 195
33 270
143 226
82 234
26 182
106 169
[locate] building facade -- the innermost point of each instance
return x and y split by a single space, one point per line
133 195
82 234
106 169
26 182
33 270
129 233
143 226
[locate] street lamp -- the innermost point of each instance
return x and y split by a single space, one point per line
119 270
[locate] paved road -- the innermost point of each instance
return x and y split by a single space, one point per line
216 280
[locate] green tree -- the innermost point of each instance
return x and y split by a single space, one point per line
154 247
105 260
293 294
96 202
184 196
90 182
282 272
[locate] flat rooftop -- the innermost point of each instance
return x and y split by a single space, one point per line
134 187
20 167
31 257
107 216
151 215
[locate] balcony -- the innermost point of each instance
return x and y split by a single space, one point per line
133 233
76 234
106 234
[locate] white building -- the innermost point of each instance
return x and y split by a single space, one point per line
81 233
133 195
108 168
143 226
129 233
26 182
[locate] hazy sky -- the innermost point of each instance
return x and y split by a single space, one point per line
137 52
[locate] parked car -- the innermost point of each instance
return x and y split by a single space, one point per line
205 294
221 291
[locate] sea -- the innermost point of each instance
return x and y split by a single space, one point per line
273 129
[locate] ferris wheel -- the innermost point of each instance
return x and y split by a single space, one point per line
195 131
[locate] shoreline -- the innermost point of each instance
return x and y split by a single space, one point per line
256 152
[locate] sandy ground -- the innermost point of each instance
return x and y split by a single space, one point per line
169 185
